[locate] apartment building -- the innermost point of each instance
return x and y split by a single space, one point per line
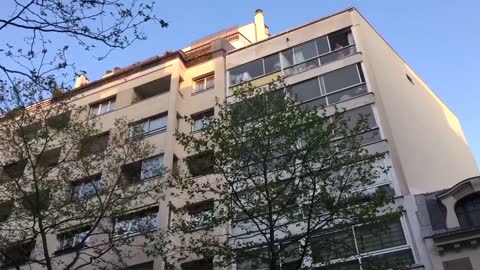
449 221
336 60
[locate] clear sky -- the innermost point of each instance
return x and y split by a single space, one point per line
438 38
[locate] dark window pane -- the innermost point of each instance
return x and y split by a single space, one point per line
203 264
287 58
17 255
354 116
5 210
322 45
246 72
350 265
371 238
306 90
15 170
341 78
59 121
272 63
347 94
340 39
94 144
339 54
316 103
200 164
304 51
399 259
458 264
468 210
332 246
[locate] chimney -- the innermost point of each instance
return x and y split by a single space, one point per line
81 81
260 29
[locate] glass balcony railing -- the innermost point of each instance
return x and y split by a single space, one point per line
320 60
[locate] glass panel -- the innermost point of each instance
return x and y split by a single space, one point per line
468 210
351 265
158 123
246 72
306 90
371 238
199 85
210 82
94 109
398 259
337 55
152 167
311 64
138 129
347 94
340 39
317 103
335 245
341 78
368 137
322 45
272 63
112 105
353 116
304 51
287 58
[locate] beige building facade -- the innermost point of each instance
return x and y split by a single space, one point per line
338 60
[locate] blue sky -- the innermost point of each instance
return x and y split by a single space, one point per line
438 38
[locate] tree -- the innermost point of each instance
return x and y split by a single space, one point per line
39 33
63 176
270 184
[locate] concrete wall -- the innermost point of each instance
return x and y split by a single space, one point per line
429 149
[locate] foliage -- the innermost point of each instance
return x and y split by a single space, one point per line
280 176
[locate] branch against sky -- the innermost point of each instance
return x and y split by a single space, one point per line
62 178
38 34
265 177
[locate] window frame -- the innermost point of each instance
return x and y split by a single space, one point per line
95 180
76 235
131 129
130 218
100 104
203 117
203 79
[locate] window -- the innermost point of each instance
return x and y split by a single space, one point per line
201 119
151 89
388 260
340 39
350 265
202 264
94 144
200 164
6 208
136 223
374 238
37 201
148 126
18 254
353 117
15 169
458 264
246 72
59 121
272 63
86 188
30 131
142 266
72 240
335 245
468 210
143 170
102 107
201 213
204 83
258 258
49 158
331 88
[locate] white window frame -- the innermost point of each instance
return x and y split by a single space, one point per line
132 134
99 105
203 81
